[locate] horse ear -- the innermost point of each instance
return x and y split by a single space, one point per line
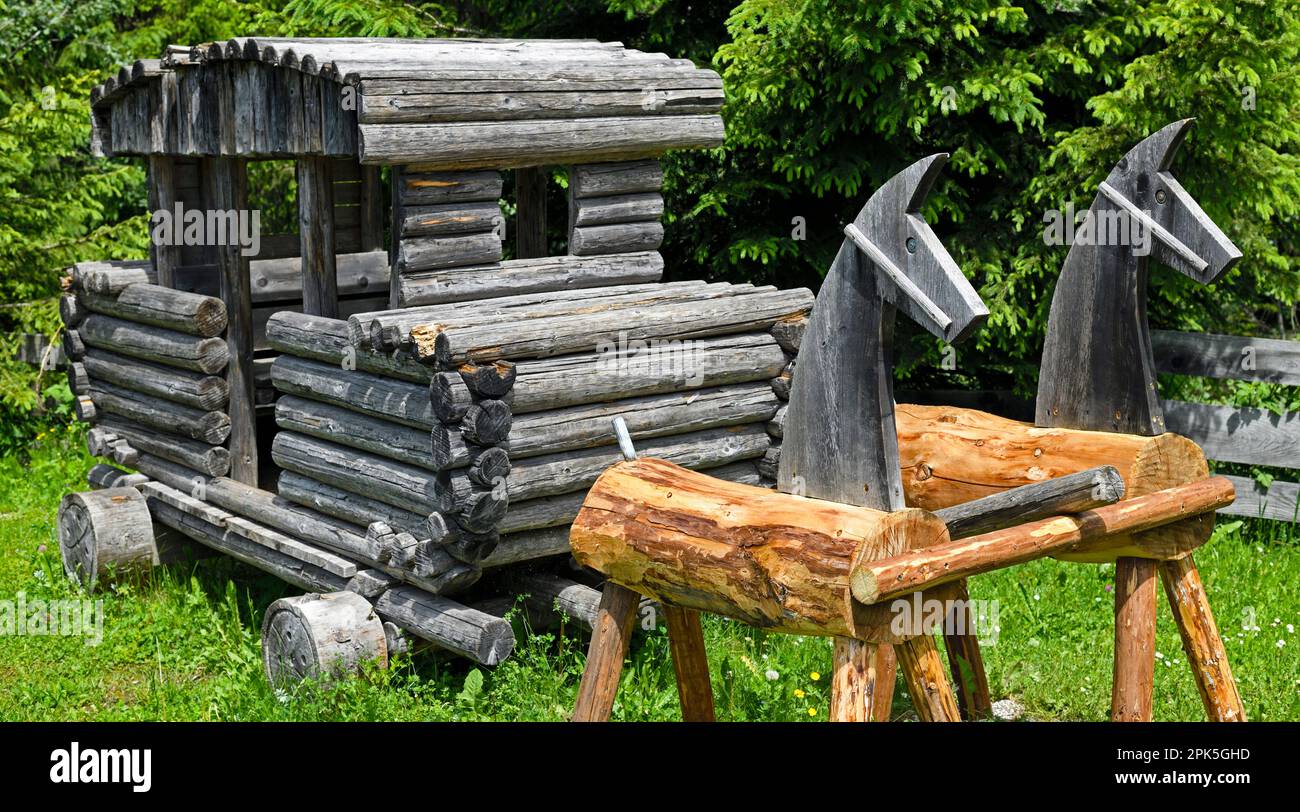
1155 152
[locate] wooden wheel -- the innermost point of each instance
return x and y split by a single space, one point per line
320 636
105 532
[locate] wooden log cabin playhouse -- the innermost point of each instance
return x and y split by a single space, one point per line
380 404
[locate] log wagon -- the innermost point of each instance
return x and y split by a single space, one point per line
382 403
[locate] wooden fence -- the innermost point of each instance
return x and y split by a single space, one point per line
1242 435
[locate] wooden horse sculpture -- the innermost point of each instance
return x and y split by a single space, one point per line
840 442
841 449
1097 373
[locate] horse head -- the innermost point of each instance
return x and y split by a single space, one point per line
840 442
1097 372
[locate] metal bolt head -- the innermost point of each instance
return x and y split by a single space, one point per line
911 245
1160 196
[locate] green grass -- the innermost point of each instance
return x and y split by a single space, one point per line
183 643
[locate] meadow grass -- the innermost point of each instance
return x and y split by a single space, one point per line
183 643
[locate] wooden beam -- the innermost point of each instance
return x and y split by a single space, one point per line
611 634
1205 652
372 209
1135 640
690 663
320 286
1231 357
227 189
530 203
162 197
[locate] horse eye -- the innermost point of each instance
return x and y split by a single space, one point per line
1160 196
911 245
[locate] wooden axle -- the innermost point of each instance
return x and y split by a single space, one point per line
889 578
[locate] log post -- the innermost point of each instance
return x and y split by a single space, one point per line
227 190
882 703
854 688
530 203
1135 640
1205 652
162 198
105 532
691 664
320 286
372 209
964 657
317 636
932 696
610 638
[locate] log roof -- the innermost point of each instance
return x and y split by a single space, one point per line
438 103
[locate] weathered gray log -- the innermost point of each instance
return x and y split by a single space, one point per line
171 474
450 399
71 310
489 106
627 369
148 343
585 332
776 426
575 470
395 483
630 208
427 253
1072 493
281 279
326 340
488 380
783 382
789 333
197 505
74 345
616 238
395 325
339 425
488 466
105 533
397 401
102 476
524 276
450 218
342 504
320 291
529 545
201 457
78 379
589 425
84 408
211 427
469 145
298 573
195 390
110 280
477 635
553 511
321 637
427 323
605 179
566 597
417 189
144 303
486 422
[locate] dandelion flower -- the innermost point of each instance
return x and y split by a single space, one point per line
798 693
812 711
815 676
772 675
